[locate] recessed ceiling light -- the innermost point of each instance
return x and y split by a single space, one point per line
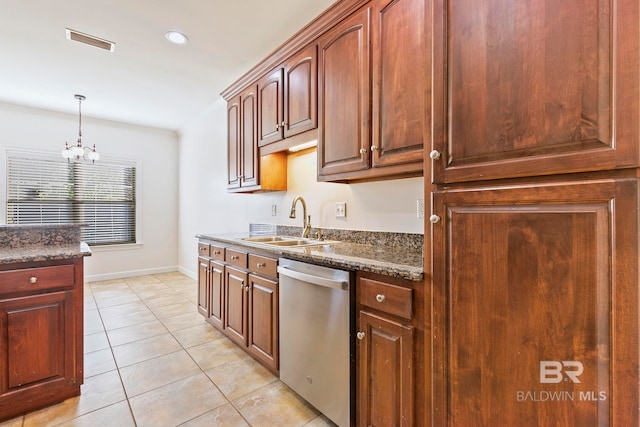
176 37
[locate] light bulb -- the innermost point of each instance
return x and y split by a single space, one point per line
77 151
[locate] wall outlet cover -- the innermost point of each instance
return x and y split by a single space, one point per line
420 209
274 210
341 210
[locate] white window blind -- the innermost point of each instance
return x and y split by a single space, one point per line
46 190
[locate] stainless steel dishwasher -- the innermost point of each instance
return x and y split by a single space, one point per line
316 350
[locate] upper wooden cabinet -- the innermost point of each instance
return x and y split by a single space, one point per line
288 98
524 89
381 50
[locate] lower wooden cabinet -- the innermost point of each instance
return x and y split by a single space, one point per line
263 320
203 286
236 305
41 335
389 352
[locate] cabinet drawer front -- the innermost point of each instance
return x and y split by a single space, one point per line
388 298
203 249
35 279
237 258
217 252
263 265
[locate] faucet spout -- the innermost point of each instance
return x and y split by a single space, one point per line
305 219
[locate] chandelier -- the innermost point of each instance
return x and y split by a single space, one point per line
78 152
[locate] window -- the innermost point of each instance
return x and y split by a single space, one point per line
45 189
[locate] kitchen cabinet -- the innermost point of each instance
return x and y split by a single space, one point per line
535 313
41 334
203 286
236 305
211 283
521 91
387 352
380 50
247 170
288 98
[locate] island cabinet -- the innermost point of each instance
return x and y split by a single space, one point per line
390 368
380 50
535 303
41 334
521 91
288 98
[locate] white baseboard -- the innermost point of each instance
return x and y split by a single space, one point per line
189 273
132 273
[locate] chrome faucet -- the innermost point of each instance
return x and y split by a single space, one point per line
306 219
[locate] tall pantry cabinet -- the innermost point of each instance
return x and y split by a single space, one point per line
535 162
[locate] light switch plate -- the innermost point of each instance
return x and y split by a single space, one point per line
420 209
274 210
341 210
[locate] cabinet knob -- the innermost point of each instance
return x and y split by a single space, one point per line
434 219
283 124
235 257
360 335
33 279
246 288
374 148
261 265
277 126
363 151
216 252
435 155
379 297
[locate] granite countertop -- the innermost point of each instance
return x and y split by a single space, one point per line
43 253
397 261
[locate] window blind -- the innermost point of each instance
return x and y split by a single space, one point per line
47 190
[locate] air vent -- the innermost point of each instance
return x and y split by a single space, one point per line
90 40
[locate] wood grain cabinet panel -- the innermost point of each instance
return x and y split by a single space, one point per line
216 294
301 92
271 92
234 150
263 320
535 305
236 305
203 285
523 89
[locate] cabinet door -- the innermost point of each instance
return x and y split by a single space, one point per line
233 143
203 286
37 337
271 109
301 92
216 294
263 320
400 83
535 303
249 138
386 372
343 97
534 88
235 315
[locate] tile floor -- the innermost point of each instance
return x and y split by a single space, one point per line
152 360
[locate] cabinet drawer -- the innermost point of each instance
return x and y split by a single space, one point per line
237 258
217 252
263 265
388 298
203 249
36 279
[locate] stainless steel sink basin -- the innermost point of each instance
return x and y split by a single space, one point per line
286 241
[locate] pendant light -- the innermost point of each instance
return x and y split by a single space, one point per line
78 152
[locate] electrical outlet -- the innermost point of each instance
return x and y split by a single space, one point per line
274 210
420 210
341 209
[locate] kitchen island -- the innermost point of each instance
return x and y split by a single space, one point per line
41 316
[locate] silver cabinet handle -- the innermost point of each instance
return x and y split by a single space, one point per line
379 297
360 335
435 155
33 280
434 219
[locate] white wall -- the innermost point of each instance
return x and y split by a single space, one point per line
206 207
157 150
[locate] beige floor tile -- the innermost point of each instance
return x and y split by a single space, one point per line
136 332
139 351
182 321
95 342
174 310
321 421
128 308
224 416
111 291
16 422
98 362
92 322
142 279
127 319
161 301
116 301
118 415
154 373
177 402
195 335
89 302
240 377
148 294
275 405
215 353
97 392
109 283
173 275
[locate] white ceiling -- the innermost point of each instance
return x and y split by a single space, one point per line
146 80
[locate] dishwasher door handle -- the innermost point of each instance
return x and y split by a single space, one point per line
316 280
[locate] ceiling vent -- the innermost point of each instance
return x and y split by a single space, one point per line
90 40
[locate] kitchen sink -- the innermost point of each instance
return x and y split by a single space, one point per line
286 241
